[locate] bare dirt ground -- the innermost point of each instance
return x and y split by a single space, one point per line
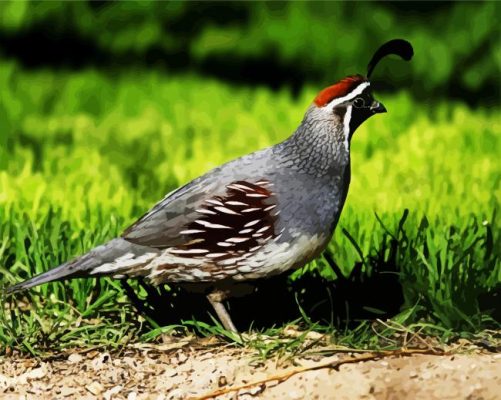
209 370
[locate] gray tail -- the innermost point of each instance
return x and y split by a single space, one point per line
88 265
72 269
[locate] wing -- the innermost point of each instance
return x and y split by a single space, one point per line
216 222
159 227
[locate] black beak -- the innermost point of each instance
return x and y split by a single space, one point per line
377 107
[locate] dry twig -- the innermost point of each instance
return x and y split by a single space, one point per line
329 364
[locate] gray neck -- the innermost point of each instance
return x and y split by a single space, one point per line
317 147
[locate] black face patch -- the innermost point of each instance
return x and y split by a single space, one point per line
360 110
340 112
358 116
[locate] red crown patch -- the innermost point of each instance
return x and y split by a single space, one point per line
339 89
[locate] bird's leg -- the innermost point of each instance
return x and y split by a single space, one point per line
216 298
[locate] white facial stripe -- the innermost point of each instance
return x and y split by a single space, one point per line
346 127
359 89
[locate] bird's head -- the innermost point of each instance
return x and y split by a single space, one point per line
349 102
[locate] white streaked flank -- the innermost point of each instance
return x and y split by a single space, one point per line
199 273
208 224
191 231
244 268
122 263
235 188
215 202
264 228
252 223
235 203
205 211
224 244
237 239
226 210
243 187
216 255
190 251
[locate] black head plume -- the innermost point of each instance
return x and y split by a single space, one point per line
400 47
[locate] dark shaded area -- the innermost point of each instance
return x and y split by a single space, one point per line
276 301
374 293
269 71
38 48
491 301
55 41
372 290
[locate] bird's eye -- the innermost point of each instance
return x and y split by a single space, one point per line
359 102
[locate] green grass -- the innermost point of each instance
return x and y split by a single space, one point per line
84 154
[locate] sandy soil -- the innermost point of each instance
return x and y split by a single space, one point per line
184 371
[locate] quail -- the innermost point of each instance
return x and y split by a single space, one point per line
254 217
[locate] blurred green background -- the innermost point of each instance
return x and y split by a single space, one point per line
107 106
274 42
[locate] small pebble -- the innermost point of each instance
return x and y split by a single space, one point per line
75 358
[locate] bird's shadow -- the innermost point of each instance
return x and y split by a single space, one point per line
372 290
367 293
